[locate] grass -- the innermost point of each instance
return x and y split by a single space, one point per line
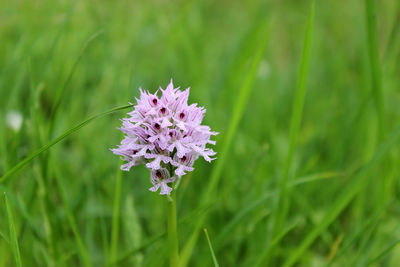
214 258
307 170
376 79
283 202
359 181
263 34
36 153
116 216
13 234
72 221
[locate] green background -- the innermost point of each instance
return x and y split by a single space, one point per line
63 61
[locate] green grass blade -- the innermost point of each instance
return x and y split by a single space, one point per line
353 237
344 199
282 205
71 220
364 245
384 252
228 228
232 129
61 92
34 154
60 32
125 256
376 75
264 255
115 218
3 146
240 105
316 177
132 228
211 249
13 234
4 237
128 254
23 211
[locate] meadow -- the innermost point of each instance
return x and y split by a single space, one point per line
305 97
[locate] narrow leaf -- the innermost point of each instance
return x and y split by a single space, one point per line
283 203
357 184
384 252
116 217
211 249
240 105
34 154
376 75
71 220
13 234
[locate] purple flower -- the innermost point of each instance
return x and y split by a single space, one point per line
166 135
160 178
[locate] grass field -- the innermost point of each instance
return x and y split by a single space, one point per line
306 99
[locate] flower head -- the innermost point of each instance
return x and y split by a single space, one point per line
166 134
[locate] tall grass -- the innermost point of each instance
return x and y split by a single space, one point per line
284 197
307 170
13 234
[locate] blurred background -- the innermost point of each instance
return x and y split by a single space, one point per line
64 61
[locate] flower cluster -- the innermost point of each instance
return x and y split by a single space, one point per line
165 134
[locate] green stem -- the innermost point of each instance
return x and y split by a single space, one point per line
116 217
172 232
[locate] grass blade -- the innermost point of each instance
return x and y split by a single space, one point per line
239 217
376 74
344 199
283 203
24 213
4 237
13 234
264 255
211 249
115 218
384 252
34 154
232 129
235 221
127 254
372 222
132 228
71 219
61 92
316 177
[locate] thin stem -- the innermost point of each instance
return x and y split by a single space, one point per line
116 217
172 232
34 154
